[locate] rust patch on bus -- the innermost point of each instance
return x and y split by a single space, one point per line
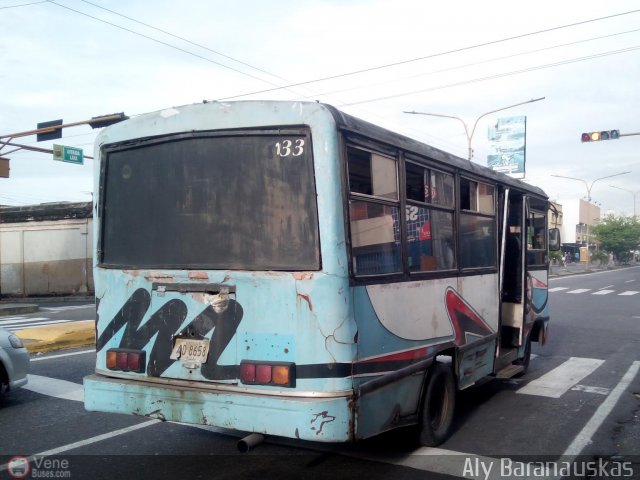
133 273
303 275
198 276
158 276
307 299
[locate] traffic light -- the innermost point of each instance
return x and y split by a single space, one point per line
106 120
603 135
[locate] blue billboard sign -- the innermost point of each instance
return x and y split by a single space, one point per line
507 146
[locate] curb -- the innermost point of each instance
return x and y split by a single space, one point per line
58 337
52 299
17 308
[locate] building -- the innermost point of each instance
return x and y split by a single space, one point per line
46 249
579 216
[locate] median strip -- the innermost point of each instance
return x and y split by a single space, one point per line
57 337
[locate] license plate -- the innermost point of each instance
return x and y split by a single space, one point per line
192 351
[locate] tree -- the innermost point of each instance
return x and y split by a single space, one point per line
618 235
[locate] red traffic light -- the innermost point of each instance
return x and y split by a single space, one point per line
602 135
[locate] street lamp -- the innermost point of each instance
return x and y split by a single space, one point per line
632 192
466 128
589 187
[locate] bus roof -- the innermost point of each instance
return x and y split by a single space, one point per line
366 129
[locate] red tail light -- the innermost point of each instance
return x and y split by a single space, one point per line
280 374
126 360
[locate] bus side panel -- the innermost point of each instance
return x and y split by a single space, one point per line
402 325
398 325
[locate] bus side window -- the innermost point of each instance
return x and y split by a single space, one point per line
536 238
429 227
478 246
374 212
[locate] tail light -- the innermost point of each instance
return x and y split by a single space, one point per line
126 360
281 374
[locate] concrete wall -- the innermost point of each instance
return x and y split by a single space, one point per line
49 257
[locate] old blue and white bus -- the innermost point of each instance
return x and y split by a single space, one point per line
287 269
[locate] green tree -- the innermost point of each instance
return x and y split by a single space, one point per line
618 235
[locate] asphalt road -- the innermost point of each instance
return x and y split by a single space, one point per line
580 400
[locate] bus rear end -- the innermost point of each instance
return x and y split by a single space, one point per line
220 273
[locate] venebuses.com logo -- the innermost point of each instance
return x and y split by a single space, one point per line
38 467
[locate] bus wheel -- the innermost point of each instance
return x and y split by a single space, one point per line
524 361
438 405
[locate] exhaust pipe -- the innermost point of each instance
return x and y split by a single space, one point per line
250 441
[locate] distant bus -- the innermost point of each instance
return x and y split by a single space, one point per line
287 269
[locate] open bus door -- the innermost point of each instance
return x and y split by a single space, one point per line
513 294
524 281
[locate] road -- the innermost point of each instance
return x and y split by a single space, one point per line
50 313
580 400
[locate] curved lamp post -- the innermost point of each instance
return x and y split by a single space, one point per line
632 192
589 187
466 128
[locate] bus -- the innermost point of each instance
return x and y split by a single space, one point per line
284 268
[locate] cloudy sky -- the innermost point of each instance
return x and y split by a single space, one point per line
76 59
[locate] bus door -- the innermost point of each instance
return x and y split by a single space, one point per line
513 271
536 269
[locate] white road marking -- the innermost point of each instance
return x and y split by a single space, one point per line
608 286
49 357
44 324
88 441
54 387
598 390
579 290
69 307
558 289
555 383
584 437
4 323
629 281
629 292
602 292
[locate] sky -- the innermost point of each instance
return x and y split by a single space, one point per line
77 59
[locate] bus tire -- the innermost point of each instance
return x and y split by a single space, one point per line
524 361
438 406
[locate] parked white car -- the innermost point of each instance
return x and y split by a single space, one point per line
14 362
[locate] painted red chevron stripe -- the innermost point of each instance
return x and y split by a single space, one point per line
464 318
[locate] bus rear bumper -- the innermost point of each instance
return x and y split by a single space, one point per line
302 417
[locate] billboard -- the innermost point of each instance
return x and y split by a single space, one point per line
507 146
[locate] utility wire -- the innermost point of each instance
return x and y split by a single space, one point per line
168 45
434 55
493 77
185 40
23 5
474 64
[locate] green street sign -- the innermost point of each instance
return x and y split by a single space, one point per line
68 154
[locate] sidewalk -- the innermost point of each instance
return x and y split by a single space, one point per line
579 268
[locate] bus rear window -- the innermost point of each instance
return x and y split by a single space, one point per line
219 202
